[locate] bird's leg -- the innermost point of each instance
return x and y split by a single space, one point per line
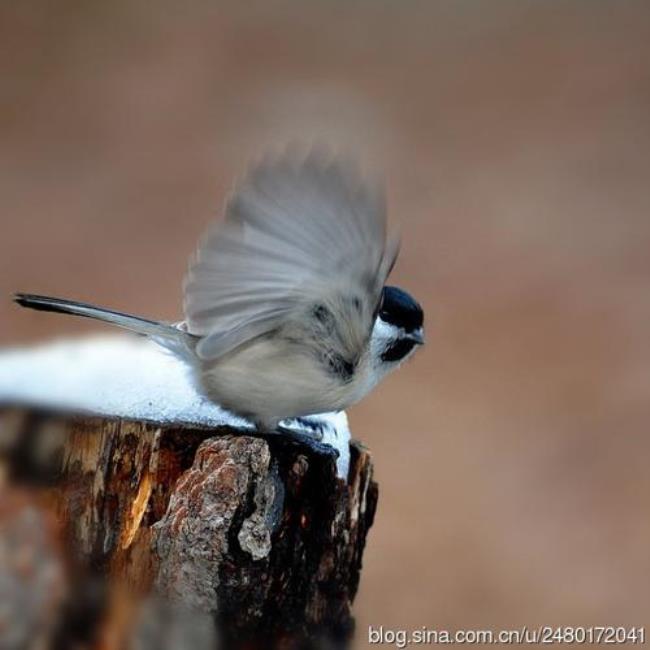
310 427
308 434
306 438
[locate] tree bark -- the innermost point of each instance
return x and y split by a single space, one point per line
185 537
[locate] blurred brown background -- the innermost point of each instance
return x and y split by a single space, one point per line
512 453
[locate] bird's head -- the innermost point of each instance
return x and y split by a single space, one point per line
398 328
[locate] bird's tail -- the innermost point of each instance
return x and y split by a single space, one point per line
166 334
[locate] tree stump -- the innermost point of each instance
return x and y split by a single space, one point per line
172 535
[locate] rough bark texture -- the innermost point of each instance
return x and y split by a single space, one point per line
256 534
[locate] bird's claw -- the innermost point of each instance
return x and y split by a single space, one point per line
307 438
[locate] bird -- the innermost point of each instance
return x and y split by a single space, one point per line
286 309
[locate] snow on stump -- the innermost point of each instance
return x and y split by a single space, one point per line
175 525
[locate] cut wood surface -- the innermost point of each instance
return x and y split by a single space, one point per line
209 536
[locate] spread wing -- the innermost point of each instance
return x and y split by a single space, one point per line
298 234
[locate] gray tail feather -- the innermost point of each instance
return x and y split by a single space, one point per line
144 326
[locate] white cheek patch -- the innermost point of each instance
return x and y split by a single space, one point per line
385 331
383 334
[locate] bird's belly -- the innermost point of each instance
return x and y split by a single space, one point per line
267 383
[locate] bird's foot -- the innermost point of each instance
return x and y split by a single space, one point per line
309 426
309 437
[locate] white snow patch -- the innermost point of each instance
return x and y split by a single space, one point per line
127 377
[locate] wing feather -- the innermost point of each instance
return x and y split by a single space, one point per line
297 231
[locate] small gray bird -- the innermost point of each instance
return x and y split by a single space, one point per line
286 312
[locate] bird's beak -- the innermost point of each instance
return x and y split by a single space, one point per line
417 337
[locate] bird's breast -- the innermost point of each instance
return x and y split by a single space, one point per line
272 378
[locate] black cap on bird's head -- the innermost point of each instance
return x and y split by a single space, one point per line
402 312
400 309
